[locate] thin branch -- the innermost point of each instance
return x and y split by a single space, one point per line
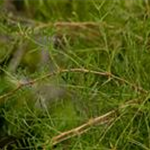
81 70
84 127
10 92
31 82
106 118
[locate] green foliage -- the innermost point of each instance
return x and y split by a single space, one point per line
118 45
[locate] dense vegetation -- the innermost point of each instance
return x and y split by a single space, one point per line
75 75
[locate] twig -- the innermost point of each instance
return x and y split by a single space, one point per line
10 92
31 82
106 118
84 127
81 70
